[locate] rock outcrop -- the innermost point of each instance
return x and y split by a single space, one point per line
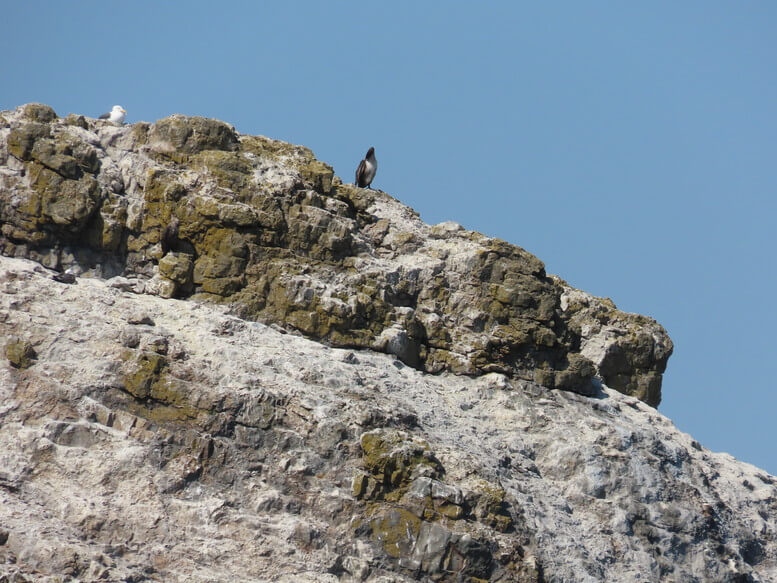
262 374
187 207
154 439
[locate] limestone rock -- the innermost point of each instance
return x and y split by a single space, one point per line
188 208
161 439
189 135
39 112
630 351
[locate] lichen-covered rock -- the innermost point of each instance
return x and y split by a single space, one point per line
20 353
77 120
39 112
630 351
178 268
154 433
394 460
21 140
193 209
190 135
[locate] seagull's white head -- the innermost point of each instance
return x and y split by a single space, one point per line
117 114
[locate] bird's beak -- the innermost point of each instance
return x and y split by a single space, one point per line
123 110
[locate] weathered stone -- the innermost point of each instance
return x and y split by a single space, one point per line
39 112
22 140
394 461
177 267
220 265
396 530
219 437
269 229
142 373
189 135
490 507
629 351
73 119
44 151
20 353
318 175
161 286
395 340
230 169
140 319
56 201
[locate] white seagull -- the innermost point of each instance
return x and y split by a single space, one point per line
366 170
116 115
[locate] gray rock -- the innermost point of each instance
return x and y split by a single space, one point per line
140 319
188 207
124 284
246 460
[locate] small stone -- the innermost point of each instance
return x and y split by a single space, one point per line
160 286
358 568
124 284
130 338
451 511
158 344
39 112
21 354
140 318
76 120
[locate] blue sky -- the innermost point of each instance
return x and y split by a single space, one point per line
630 146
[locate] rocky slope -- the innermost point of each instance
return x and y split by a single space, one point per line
189 207
304 382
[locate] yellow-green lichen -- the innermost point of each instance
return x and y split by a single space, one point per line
159 396
396 530
229 169
491 506
20 354
39 112
142 372
272 149
393 459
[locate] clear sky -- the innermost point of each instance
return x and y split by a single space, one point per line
630 146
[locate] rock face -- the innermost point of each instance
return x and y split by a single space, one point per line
263 374
186 207
154 439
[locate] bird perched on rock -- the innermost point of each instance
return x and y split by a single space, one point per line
365 173
69 276
116 115
170 235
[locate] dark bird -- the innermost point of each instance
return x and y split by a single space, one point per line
170 235
365 173
116 115
66 277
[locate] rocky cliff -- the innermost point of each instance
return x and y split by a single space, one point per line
186 207
264 374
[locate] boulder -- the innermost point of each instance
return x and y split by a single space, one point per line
189 135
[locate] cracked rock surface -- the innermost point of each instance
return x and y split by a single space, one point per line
154 439
189 208
221 363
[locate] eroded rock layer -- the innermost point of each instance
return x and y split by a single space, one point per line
188 208
152 439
